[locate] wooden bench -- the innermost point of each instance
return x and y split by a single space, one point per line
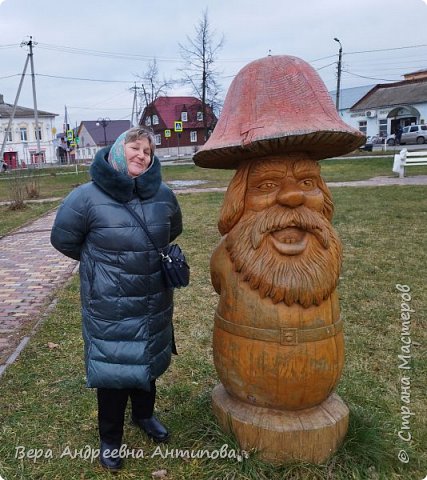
408 159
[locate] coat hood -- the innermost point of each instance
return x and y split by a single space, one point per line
120 186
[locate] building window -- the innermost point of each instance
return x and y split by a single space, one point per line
155 120
184 116
193 136
362 126
148 121
383 128
199 116
9 136
38 133
24 136
158 139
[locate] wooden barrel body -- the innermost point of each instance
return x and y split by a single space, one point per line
273 355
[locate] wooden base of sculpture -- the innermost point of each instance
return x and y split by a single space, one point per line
310 435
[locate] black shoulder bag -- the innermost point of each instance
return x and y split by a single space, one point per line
176 271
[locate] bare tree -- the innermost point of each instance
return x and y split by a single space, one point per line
200 54
152 87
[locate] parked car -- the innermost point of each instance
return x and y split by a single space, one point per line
391 140
410 134
368 146
371 142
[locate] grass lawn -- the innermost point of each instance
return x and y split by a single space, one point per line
12 219
44 403
52 182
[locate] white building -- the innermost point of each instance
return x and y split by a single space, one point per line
381 109
21 142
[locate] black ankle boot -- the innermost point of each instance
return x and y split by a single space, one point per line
153 428
109 456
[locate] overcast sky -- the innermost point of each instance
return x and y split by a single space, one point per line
251 28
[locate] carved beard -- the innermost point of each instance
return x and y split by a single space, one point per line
306 278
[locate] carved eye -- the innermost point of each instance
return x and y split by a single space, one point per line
307 184
267 186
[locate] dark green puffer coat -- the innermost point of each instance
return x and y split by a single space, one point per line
126 309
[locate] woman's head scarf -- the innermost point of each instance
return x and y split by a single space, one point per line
116 157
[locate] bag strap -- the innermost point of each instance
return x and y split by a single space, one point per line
145 228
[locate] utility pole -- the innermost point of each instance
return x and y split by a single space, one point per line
67 126
103 122
12 116
33 81
337 98
134 117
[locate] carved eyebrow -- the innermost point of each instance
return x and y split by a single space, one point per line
302 170
264 169
306 173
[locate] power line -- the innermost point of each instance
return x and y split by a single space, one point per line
84 79
369 78
370 51
11 45
386 49
322 58
10 76
100 53
324 66
97 109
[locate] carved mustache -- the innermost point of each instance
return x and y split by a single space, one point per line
278 218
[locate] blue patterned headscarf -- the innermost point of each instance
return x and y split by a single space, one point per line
116 157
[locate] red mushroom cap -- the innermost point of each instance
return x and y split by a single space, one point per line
276 105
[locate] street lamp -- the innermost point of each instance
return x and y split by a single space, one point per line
337 98
103 122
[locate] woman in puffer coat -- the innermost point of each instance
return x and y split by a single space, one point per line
126 308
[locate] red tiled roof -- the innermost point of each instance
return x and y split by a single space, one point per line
169 110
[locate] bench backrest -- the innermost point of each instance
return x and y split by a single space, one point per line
407 159
415 158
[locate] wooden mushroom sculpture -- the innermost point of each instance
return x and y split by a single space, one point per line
278 335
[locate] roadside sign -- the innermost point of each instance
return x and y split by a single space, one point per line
178 126
167 133
70 135
77 140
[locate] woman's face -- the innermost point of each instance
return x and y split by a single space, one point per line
138 156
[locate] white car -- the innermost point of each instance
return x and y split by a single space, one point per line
410 134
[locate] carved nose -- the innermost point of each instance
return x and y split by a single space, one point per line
290 197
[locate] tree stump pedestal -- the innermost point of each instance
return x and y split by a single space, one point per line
279 436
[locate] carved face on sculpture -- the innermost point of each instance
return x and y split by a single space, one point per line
277 214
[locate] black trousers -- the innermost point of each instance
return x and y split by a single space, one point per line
112 406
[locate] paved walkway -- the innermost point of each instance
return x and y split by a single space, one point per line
31 271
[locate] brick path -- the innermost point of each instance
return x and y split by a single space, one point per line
30 272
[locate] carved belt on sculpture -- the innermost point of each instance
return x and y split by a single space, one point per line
284 336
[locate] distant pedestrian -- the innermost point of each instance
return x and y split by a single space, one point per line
126 306
4 167
398 135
